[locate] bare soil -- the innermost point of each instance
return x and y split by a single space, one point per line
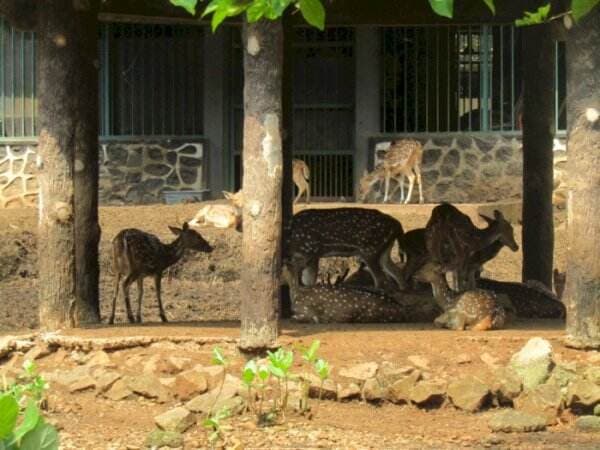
202 299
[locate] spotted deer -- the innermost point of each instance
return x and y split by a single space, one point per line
221 215
403 159
370 179
301 177
137 255
452 240
366 233
476 309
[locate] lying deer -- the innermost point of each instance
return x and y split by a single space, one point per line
220 215
366 233
137 254
301 176
452 240
403 159
476 309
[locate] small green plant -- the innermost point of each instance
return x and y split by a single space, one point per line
323 371
22 426
213 424
309 355
280 363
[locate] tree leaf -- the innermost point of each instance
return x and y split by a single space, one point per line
30 420
211 7
580 8
443 7
490 5
188 5
9 411
313 12
249 372
42 437
276 371
535 18
311 353
218 357
256 10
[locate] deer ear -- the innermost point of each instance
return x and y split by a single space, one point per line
176 231
185 226
487 219
227 194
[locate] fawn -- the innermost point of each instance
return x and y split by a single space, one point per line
222 216
301 176
403 158
137 254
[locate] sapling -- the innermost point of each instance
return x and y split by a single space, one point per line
309 355
213 424
323 371
280 363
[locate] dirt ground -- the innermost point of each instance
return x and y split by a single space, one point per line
202 299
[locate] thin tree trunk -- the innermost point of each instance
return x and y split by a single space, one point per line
538 133
262 162
68 130
583 259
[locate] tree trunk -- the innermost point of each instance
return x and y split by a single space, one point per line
262 162
583 260
538 133
66 98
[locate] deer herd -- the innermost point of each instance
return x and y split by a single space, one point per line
449 245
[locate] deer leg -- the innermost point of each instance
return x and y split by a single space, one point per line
140 289
126 285
411 183
111 320
307 192
157 284
401 188
374 268
387 186
418 173
389 268
298 195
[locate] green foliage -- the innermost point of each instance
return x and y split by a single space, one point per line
322 369
443 8
9 412
490 5
218 358
534 18
188 5
580 8
313 12
213 424
280 362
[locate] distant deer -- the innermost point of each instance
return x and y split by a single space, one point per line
476 309
453 241
366 233
220 215
370 179
301 176
403 158
137 254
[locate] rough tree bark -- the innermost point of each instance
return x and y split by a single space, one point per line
68 130
583 207
538 133
262 159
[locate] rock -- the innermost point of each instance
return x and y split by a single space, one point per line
168 382
583 393
68 377
202 403
389 375
118 391
158 364
99 358
588 423
428 393
468 393
543 401
592 373
148 386
188 384
82 384
348 392
400 391
179 362
36 352
212 374
105 378
373 391
160 438
419 361
491 361
463 358
562 375
176 419
360 372
532 364
511 421
507 387
210 402
328 390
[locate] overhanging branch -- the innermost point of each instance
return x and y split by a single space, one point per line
21 14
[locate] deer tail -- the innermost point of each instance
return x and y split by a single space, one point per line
306 171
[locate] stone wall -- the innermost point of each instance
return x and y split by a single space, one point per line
464 168
130 173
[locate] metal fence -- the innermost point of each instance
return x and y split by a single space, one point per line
17 83
456 78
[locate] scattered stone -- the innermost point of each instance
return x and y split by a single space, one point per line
82 384
389 375
213 374
68 377
463 358
181 363
563 374
419 361
597 410
189 384
160 438
491 361
348 392
511 421
158 364
118 391
592 373
326 391
360 372
202 403
78 356
36 352
543 401
507 387
400 391
105 378
533 362
594 357
588 423
468 393
583 393
373 391
176 419
428 393
168 382
99 358
148 386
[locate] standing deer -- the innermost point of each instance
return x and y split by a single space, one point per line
137 254
301 176
453 241
366 233
403 158
370 179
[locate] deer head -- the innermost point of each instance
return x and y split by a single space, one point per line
504 229
191 239
237 199
365 185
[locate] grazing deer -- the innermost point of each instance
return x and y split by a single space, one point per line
301 176
366 233
476 309
221 216
137 254
403 158
370 179
452 240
